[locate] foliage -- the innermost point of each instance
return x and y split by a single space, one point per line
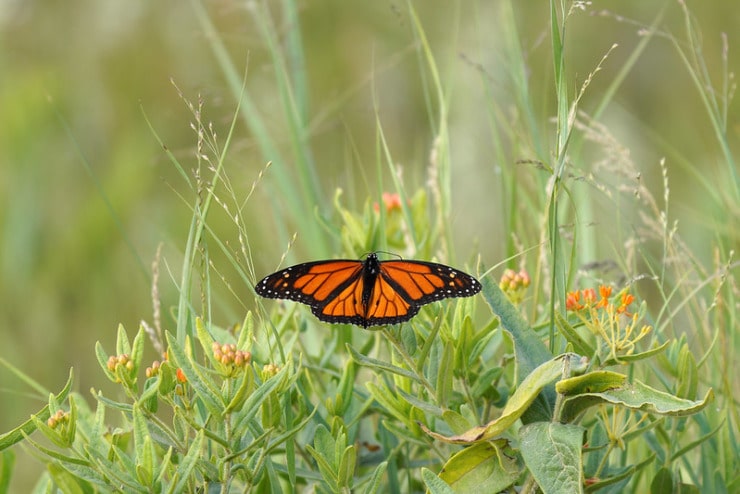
571 379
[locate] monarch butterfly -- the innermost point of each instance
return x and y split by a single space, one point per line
367 293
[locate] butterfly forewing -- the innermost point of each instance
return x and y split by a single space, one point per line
424 282
310 283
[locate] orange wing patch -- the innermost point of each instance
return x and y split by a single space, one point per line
348 303
386 303
321 280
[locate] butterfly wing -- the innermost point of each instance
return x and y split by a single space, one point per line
404 286
333 289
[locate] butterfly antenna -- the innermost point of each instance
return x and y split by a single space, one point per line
392 254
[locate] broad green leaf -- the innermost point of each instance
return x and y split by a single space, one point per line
552 452
529 350
636 396
482 467
518 402
592 382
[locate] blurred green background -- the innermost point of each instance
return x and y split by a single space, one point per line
88 194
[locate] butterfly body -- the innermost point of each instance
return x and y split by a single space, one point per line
367 293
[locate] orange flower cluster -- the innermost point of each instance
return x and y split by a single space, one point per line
514 284
573 300
608 317
123 360
391 201
269 370
59 418
156 365
228 355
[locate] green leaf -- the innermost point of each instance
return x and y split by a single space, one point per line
143 448
662 482
345 388
445 373
102 357
482 467
637 356
66 482
137 350
580 345
624 474
29 426
688 378
434 483
392 405
255 401
376 478
246 387
636 396
456 421
166 379
552 452
324 452
203 386
188 462
592 382
7 461
123 345
518 403
57 455
206 340
346 470
380 365
148 398
529 350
